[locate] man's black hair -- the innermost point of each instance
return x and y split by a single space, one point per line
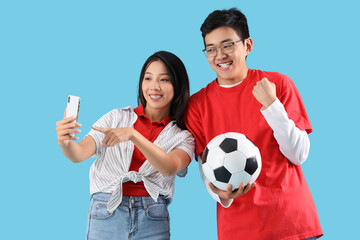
232 18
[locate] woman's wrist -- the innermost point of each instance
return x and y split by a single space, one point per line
64 143
134 135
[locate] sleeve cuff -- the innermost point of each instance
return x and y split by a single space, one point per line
276 105
98 139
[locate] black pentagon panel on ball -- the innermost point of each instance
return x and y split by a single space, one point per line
204 156
228 145
222 174
251 165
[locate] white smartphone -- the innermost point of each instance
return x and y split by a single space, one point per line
72 109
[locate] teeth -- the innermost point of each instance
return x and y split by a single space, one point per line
224 64
155 96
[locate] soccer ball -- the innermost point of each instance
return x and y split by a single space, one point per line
231 158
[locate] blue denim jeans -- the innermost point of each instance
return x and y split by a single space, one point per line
135 218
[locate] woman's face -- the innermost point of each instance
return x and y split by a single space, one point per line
157 89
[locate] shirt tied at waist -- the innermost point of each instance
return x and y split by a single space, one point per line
132 176
149 184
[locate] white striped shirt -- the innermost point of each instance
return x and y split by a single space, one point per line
111 168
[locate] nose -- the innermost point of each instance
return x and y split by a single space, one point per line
155 85
220 54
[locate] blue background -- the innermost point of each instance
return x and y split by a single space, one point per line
95 49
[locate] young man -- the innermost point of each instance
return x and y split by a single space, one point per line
267 108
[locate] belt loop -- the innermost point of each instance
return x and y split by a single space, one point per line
143 199
130 201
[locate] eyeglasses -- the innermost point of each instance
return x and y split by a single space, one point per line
225 48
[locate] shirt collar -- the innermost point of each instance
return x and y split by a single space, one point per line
140 111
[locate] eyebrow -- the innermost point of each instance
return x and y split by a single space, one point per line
226 40
153 74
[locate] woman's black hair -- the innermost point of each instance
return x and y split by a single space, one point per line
179 80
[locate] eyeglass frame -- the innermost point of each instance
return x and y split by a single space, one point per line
221 49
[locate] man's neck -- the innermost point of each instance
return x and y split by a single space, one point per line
235 80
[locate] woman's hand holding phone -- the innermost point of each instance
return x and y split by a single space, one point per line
66 127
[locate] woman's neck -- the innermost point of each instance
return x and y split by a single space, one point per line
156 115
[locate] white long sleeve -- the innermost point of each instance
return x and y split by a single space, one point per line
223 202
294 143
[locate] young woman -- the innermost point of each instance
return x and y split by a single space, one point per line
138 152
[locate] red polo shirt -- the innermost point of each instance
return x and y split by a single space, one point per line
150 130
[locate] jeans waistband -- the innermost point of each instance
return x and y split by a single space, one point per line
132 201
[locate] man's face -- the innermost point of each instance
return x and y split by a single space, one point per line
230 68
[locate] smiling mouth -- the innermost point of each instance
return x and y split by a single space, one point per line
224 65
155 96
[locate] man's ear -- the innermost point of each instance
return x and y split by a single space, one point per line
248 45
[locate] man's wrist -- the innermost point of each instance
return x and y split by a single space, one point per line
269 103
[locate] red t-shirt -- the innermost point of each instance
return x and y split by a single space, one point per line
280 206
150 130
